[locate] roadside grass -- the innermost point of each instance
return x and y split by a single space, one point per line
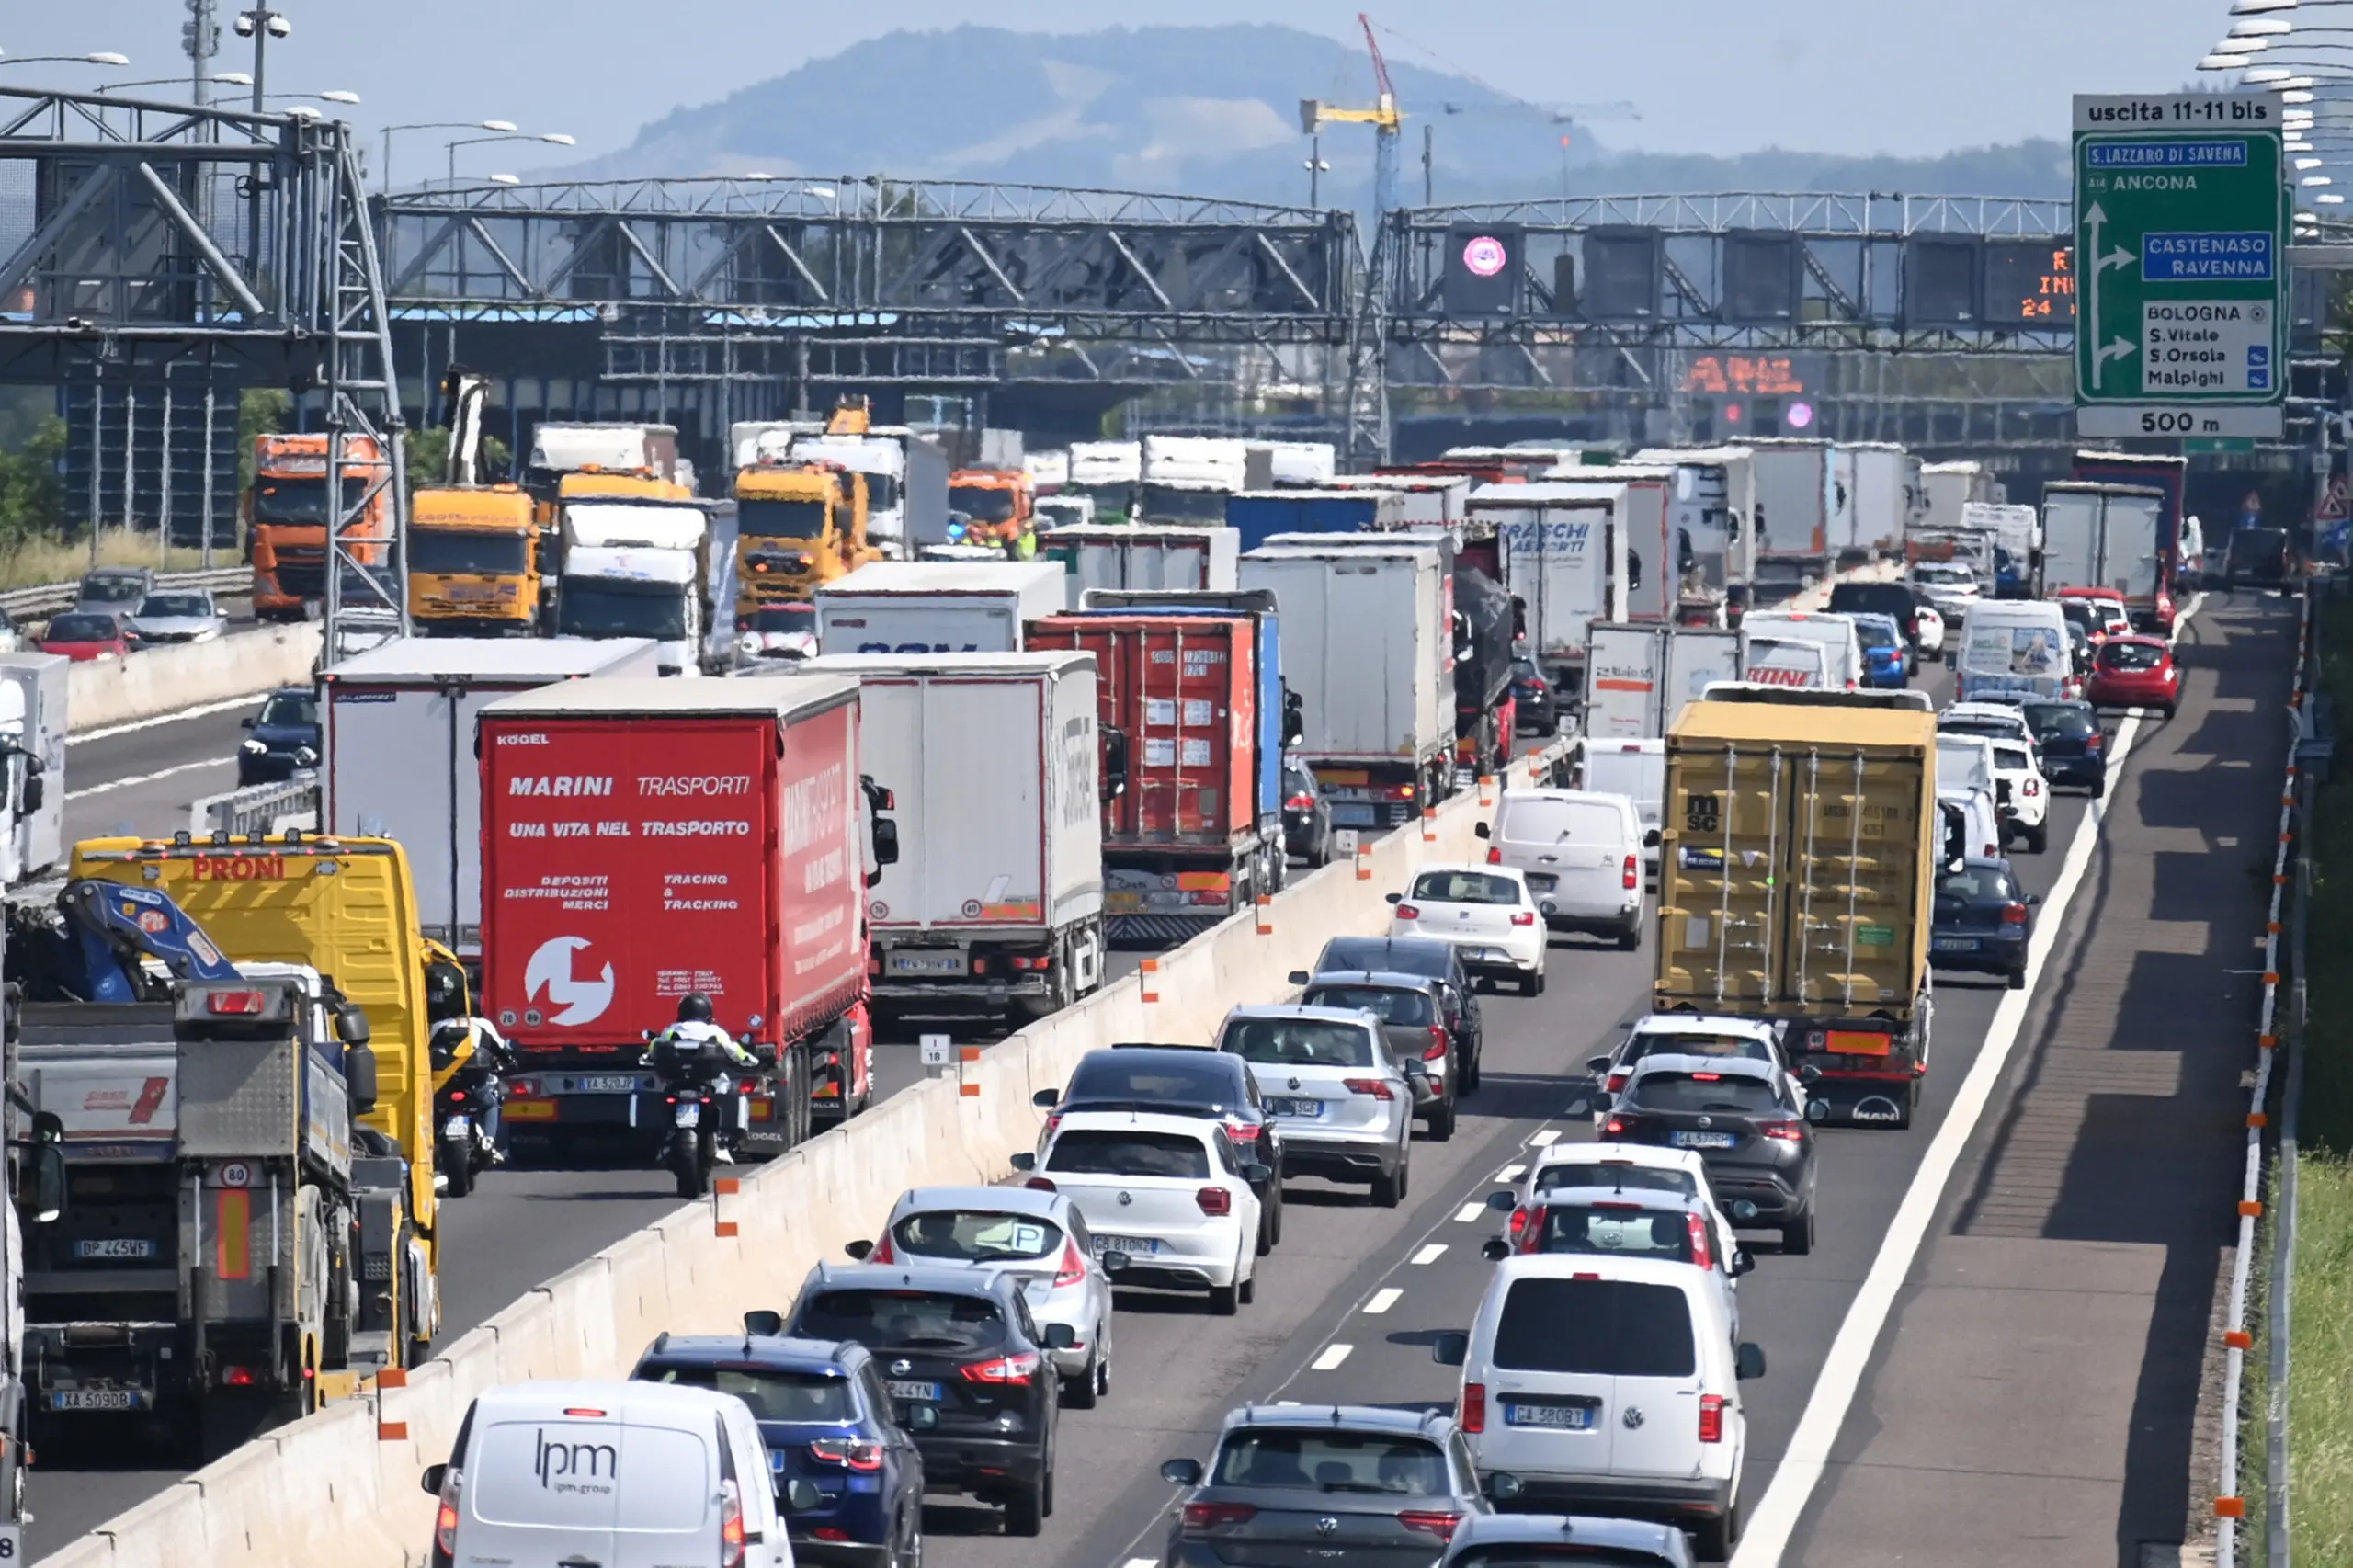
42 561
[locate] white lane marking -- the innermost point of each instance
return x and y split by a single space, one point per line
1138 1561
1511 1172
200 710
1428 1255
1802 1467
1331 1359
1469 1213
148 778
1384 1298
1543 1140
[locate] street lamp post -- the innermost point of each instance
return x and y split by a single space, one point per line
105 57
555 138
504 127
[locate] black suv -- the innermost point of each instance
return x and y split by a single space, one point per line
967 1367
1181 1080
1755 1142
1441 962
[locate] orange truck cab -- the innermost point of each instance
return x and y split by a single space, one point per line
999 508
287 510
798 526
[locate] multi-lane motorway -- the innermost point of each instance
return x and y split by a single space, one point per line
1996 1361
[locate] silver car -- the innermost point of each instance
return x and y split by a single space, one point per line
178 615
1039 1238
113 590
1331 1082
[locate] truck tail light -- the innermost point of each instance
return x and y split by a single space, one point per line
1015 1369
1435 1050
234 1004
1712 1418
1073 1269
1042 960
1214 1201
1376 1087
1407 912
1400 791
1202 1517
1633 873
1473 1416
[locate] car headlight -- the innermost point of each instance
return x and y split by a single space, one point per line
253 748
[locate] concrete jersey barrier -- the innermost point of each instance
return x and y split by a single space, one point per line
156 681
330 1489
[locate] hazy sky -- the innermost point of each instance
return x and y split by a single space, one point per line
1905 76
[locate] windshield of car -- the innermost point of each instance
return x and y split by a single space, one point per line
976 1235
1621 1174
2131 656
1626 1230
1736 1045
1297 1042
1702 1091
1596 1328
2051 720
1124 1152
176 605
1194 1078
1465 887
1389 1004
82 629
773 1394
1541 821
1381 1464
902 1320
288 709
1978 884
1403 955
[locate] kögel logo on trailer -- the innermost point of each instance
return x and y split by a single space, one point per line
1486 256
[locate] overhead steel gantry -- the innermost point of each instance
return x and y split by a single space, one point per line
138 239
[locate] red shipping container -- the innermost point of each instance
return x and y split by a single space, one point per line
1183 689
645 839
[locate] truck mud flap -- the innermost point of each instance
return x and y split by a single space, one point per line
1159 930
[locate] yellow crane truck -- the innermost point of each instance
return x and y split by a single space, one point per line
474 567
798 526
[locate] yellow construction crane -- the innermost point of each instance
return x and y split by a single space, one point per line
1386 119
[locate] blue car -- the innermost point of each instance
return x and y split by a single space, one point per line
827 1420
1887 656
1983 921
283 738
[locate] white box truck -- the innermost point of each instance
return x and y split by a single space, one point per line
2103 536
1885 495
995 902
32 728
1366 646
1655 554
935 607
1715 501
1143 555
1795 504
1638 677
1427 500
1563 550
398 725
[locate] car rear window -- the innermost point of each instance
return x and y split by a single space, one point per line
1743 1046
1388 1004
1609 1328
177 604
1465 887
1547 1554
1633 1178
1977 883
2131 656
1874 598
1979 729
773 1394
1701 1091
2050 720
1089 1150
1297 1042
1406 955
1558 821
1126 1075
578 1473
2012 758
968 1235
1877 631
1627 1231
1380 1463
902 1320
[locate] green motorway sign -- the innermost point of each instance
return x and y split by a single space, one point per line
2181 266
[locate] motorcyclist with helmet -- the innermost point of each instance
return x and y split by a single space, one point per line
696 1033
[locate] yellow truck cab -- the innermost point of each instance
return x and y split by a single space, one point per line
798 526
346 907
473 561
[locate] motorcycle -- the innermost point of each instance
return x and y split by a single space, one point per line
464 1114
707 1112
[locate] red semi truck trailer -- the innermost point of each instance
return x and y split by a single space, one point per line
645 839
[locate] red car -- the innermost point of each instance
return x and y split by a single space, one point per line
2134 672
86 634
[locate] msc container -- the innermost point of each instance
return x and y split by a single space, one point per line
1257 515
643 839
1796 884
1795 501
935 607
1151 556
1563 550
398 725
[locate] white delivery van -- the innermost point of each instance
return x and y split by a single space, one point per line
1787 662
2013 645
32 727
1636 769
1581 853
936 607
1842 648
624 1475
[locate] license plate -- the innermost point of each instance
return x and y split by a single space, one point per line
606 1084
921 1394
115 1246
1134 1246
926 963
96 1399
1542 881
1955 944
1277 1106
457 1127
1702 1140
689 1115
1349 814
1563 1418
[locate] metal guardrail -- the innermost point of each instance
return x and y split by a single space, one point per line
257 809
48 598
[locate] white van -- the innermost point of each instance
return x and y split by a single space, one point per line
1786 662
624 1475
1608 1385
1836 633
1636 769
2013 645
1582 855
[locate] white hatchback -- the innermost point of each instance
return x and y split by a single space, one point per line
1485 911
2022 795
1634 1166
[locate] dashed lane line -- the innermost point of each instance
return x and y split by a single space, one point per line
1427 1255
1383 1299
1469 1213
1331 1359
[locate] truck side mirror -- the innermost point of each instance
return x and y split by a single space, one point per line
1115 764
1294 718
359 1078
29 798
49 1182
886 847
351 1023
1482 830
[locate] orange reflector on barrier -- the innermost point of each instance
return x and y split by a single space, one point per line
2230 1507
2238 1339
391 1431
392 1378
727 1187
2251 1208
723 1229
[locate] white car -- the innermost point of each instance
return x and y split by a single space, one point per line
1929 628
1175 1194
1692 1034
1607 1385
1992 719
1328 1077
1633 1166
1949 585
1487 912
2022 796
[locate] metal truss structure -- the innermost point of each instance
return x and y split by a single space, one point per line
138 239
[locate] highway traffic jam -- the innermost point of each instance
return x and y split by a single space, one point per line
1798 727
